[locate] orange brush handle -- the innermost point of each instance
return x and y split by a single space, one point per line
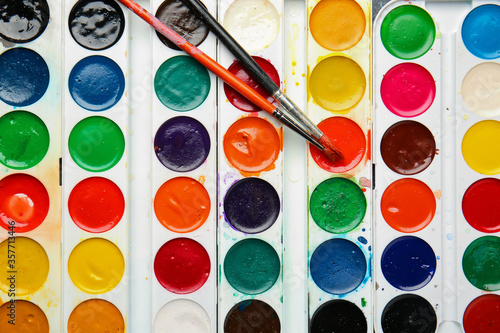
201 57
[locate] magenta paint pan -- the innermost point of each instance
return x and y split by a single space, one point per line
250 183
448 123
182 151
30 120
95 159
339 239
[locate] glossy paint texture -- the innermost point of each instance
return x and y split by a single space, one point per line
182 204
182 83
24 140
251 266
96 83
478 31
23 21
96 204
182 316
29 317
252 145
337 24
350 140
182 144
338 316
409 313
408 32
338 266
24 77
251 205
479 89
408 147
480 205
96 144
337 84
483 315
238 100
24 202
408 90
182 265
96 265
408 205
408 263
96 24
481 263
481 147
337 205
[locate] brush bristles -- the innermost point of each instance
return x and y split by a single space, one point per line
331 151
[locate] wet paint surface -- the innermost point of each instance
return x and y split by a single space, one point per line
408 147
238 100
96 83
182 144
96 144
480 89
24 77
96 24
337 25
29 318
481 263
337 205
480 205
338 316
23 21
24 140
252 145
408 90
96 266
338 266
32 265
480 31
96 315
251 205
408 205
409 313
408 263
251 266
349 139
178 17
24 200
96 204
182 316
182 204
481 147
253 23
252 316
483 315
408 32
337 84
182 265
182 83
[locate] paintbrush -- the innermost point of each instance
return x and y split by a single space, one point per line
278 112
293 111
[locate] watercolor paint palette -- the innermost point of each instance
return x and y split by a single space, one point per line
435 259
250 157
339 193
183 177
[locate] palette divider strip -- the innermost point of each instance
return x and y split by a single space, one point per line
48 109
228 236
205 174
73 173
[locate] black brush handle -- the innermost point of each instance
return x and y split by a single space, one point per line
255 70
